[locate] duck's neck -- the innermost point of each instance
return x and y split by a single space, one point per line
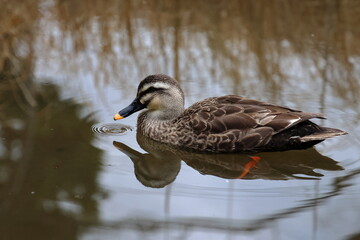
155 125
159 115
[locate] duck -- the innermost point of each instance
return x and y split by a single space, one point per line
224 124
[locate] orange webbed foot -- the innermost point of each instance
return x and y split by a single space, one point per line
250 165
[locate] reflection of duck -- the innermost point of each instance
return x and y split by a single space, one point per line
153 169
161 164
221 124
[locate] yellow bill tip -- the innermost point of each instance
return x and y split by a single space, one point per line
118 116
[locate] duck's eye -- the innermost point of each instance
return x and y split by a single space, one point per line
146 96
150 90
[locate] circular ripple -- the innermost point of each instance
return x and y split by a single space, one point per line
111 129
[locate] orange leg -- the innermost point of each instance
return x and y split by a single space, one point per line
250 165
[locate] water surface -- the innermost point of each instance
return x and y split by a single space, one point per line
67 171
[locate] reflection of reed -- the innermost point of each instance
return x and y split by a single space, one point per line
239 38
229 225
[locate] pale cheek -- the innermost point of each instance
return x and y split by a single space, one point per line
145 98
154 104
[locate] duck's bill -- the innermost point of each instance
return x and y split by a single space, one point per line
118 116
135 106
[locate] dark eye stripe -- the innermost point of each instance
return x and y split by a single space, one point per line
149 90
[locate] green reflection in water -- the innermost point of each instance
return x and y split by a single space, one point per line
48 167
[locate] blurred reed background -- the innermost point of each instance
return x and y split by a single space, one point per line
218 40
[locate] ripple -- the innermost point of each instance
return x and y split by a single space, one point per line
111 129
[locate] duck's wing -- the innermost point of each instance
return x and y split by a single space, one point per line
221 114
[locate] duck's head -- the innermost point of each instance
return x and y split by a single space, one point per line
160 94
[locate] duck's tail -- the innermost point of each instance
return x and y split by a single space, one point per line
323 134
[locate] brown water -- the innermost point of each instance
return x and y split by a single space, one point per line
68 172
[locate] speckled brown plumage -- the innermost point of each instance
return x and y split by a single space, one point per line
224 124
